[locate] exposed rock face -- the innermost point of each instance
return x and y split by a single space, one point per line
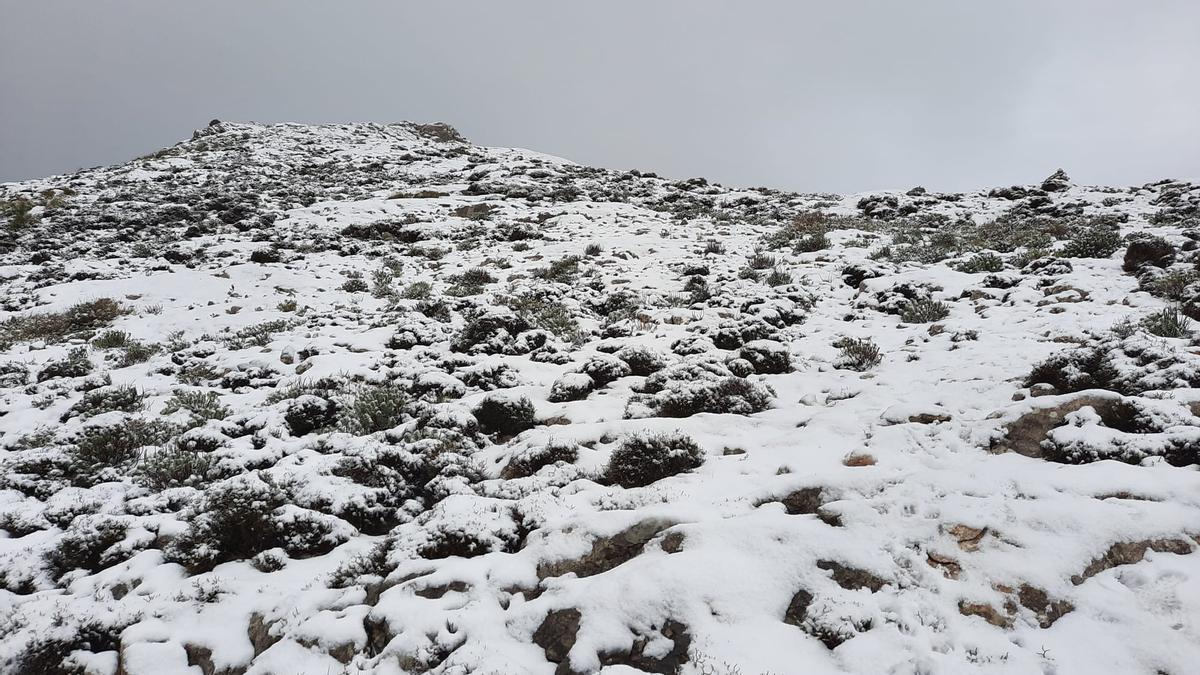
607 552
1130 552
1025 434
556 636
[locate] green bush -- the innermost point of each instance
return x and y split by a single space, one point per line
504 416
372 408
924 310
1092 240
982 262
859 354
1168 323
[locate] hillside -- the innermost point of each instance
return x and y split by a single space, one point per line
369 398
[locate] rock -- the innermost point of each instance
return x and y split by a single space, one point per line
968 537
1130 552
852 578
803 501
797 609
669 663
1039 602
1057 182
986 612
607 552
556 636
1025 434
949 566
1154 251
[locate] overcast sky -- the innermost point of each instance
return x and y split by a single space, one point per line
844 96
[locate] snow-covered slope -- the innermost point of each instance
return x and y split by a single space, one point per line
369 398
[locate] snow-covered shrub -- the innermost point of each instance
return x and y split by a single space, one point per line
436 385
308 413
504 416
1047 267
1126 431
642 360
642 459
1168 323
489 377
1148 250
174 466
56 326
100 446
981 262
119 398
1130 365
50 652
571 387
732 336
1094 239
470 282
491 331
89 544
603 369
373 407
768 357
691 345
857 354
728 395
529 460
201 406
924 310
76 364
243 516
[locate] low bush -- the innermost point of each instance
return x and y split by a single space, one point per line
643 459
504 416
54 327
372 408
859 354
531 460
924 310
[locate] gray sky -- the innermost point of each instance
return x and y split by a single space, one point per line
842 96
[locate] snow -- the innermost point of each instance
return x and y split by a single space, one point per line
899 452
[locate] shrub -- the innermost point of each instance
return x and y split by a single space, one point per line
1092 240
244 516
471 282
604 369
175 466
111 339
857 353
121 397
768 357
1129 365
200 405
136 352
778 277
49 652
504 416
355 285
18 212
374 407
593 250
307 413
531 460
924 310
564 270
112 445
644 459
417 290
76 364
808 232
87 545
381 283
981 262
1173 285
571 387
85 316
729 395
642 361
1168 323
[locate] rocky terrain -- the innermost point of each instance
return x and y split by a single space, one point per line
372 399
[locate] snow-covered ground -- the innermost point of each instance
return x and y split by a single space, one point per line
368 398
